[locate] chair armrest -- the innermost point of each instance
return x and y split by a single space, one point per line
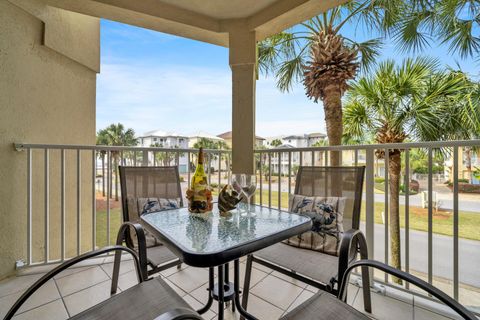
49 275
443 297
179 314
142 244
348 251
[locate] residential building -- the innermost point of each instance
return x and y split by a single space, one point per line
164 139
463 161
195 137
227 136
297 159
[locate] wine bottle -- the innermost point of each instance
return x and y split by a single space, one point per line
199 187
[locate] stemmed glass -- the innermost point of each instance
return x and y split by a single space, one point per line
245 184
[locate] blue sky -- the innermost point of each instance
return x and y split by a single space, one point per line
150 80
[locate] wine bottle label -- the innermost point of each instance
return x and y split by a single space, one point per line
200 192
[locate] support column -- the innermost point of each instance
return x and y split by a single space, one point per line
242 63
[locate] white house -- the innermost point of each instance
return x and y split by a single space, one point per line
164 139
295 141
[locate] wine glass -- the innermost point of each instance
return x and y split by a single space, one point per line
249 185
237 184
245 184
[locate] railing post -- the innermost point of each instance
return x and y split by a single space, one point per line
144 160
370 202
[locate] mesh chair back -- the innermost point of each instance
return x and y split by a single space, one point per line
148 182
344 182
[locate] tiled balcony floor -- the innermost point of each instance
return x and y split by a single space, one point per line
272 294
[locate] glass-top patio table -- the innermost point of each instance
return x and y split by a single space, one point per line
209 240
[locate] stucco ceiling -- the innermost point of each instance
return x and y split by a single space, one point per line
222 9
210 21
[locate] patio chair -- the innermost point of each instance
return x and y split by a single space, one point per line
140 185
152 299
323 306
319 269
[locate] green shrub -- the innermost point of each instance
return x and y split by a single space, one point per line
379 180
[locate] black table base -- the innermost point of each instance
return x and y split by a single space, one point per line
226 292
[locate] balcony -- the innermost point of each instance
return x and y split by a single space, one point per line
439 244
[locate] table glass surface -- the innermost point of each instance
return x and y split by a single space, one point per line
210 233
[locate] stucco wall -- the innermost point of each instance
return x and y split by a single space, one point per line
45 97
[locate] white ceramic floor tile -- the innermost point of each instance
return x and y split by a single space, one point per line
289 279
179 291
256 275
384 307
261 309
422 314
201 293
81 280
261 267
352 293
312 289
435 307
168 272
190 278
304 296
17 284
47 293
87 298
127 280
71 270
195 304
125 266
52 311
111 258
277 291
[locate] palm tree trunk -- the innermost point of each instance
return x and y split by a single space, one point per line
103 175
394 170
468 164
115 169
332 106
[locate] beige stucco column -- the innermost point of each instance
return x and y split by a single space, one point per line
242 62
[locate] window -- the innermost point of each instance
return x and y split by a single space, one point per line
154 139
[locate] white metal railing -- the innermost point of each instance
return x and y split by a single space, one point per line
280 180
82 170
90 172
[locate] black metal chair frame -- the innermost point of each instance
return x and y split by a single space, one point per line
440 295
127 227
353 242
173 314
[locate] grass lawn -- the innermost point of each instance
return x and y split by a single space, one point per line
469 223
115 222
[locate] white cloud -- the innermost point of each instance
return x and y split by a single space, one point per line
186 99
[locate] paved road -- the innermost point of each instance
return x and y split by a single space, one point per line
445 203
469 254
465 203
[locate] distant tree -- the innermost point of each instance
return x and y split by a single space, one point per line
116 135
276 143
102 140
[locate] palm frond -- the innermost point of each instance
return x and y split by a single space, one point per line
289 72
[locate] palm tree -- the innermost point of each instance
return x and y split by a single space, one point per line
414 100
317 54
116 135
454 23
102 140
